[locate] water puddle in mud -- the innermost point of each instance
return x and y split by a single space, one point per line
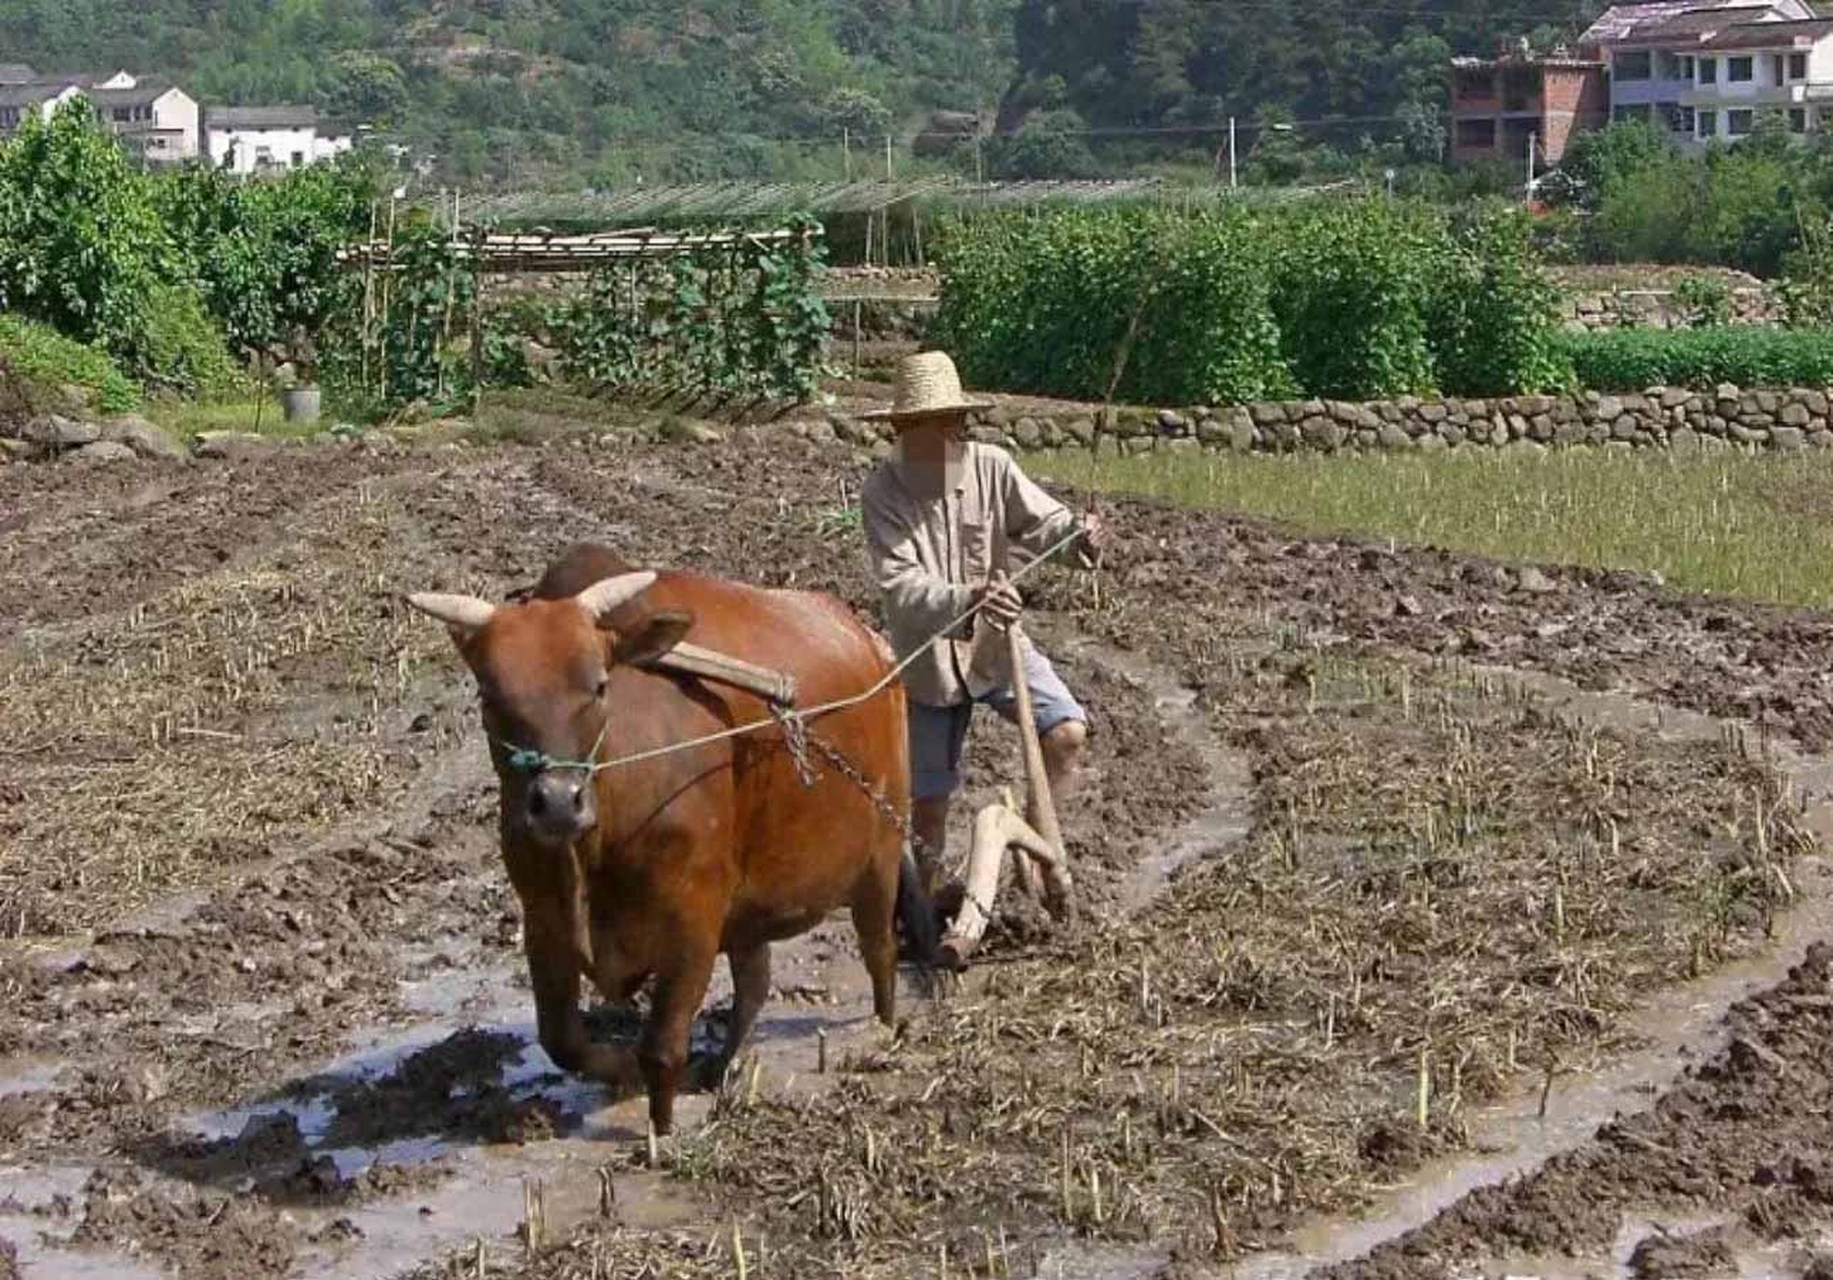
1226 818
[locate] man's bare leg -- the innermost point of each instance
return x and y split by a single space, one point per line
1063 747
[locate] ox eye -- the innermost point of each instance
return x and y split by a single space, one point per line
603 684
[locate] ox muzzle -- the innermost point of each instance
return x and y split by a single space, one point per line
559 805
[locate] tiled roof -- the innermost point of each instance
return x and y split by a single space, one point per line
143 94
28 95
1680 18
279 117
1770 35
16 73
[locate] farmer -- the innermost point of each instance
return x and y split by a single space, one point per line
941 515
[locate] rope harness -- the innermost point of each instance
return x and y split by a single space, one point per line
798 737
791 720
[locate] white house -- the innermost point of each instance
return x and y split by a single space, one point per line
19 102
1705 71
156 119
160 121
255 139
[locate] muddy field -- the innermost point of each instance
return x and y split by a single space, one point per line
1379 849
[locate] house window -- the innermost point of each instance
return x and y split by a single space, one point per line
1737 121
1740 70
1780 63
1686 67
1708 122
122 114
1476 133
1797 66
1708 70
1797 120
1633 66
1630 111
298 159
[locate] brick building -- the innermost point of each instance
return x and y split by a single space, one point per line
1498 104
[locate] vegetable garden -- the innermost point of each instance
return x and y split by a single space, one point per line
1355 300
184 279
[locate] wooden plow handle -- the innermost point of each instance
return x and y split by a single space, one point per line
1039 850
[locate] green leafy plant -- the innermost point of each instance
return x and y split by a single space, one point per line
1704 301
744 318
1148 304
1350 290
82 246
1493 316
39 355
183 349
1633 359
1162 306
393 336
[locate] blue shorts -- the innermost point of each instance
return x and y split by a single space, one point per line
937 734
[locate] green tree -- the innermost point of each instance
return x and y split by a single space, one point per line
81 243
364 87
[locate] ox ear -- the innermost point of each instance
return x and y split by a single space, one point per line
603 598
465 615
653 637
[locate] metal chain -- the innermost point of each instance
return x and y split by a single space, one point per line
798 737
795 737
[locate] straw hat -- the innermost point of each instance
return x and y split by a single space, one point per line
927 384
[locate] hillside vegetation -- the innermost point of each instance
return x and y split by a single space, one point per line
607 90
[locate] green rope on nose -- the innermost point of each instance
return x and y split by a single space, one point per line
528 761
522 760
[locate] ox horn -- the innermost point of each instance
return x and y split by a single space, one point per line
466 613
602 598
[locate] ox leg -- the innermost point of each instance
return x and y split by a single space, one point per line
663 1053
553 973
750 988
874 913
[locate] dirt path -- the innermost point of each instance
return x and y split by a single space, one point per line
265 1014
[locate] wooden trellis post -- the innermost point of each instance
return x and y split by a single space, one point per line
477 315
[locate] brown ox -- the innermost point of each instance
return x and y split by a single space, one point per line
656 867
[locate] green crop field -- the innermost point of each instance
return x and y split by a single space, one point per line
1759 528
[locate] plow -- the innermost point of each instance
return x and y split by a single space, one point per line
1001 830
1027 838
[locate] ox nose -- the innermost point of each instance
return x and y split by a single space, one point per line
560 804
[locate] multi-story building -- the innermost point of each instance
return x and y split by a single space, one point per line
1704 70
1503 106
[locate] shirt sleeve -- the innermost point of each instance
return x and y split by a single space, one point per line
913 596
1034 519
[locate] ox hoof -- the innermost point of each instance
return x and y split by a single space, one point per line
707 1073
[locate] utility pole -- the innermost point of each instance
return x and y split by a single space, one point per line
1530 168
846 150
1232 181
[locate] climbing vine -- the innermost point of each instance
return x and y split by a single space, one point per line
742 318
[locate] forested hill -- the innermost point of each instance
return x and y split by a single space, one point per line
605 89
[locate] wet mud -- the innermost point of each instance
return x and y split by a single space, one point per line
262 1013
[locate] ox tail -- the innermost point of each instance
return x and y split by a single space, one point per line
917 914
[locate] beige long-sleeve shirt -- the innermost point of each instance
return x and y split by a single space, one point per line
928 554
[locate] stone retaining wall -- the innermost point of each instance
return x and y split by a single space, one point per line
1656 309
1661 418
